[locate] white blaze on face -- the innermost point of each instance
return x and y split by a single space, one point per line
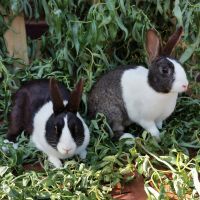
180 83
66 144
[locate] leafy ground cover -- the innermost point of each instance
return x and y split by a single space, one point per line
87 39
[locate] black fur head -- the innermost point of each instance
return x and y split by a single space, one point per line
55 126
76 128
64 119
161 71
161 75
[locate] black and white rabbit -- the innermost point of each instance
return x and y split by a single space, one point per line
47 111
136 94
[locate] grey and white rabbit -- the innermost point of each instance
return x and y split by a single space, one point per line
48 111
130 94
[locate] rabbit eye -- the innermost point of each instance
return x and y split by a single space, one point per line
165 70
58 126
56 129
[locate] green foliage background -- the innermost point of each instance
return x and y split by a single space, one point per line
86 39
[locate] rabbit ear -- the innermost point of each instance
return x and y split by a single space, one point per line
152 44
172 41
56 96
75 97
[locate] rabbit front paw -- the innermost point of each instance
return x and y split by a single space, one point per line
126 135
151 128
159 124
155 133
5 148
129 138
83 154
55 161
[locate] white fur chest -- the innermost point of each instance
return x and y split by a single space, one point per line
141 101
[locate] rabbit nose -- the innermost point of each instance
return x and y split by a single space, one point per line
184 87
66 150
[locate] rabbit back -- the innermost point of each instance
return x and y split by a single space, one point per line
106 97
25 104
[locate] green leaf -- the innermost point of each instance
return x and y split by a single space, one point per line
46 10
3 170
190 50
122 6
177 13
111 5
105 21
109 158
112 31
187 53
187 23
75 28
94 31
121 25
159 7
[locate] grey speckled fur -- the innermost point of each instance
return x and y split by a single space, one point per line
106 97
